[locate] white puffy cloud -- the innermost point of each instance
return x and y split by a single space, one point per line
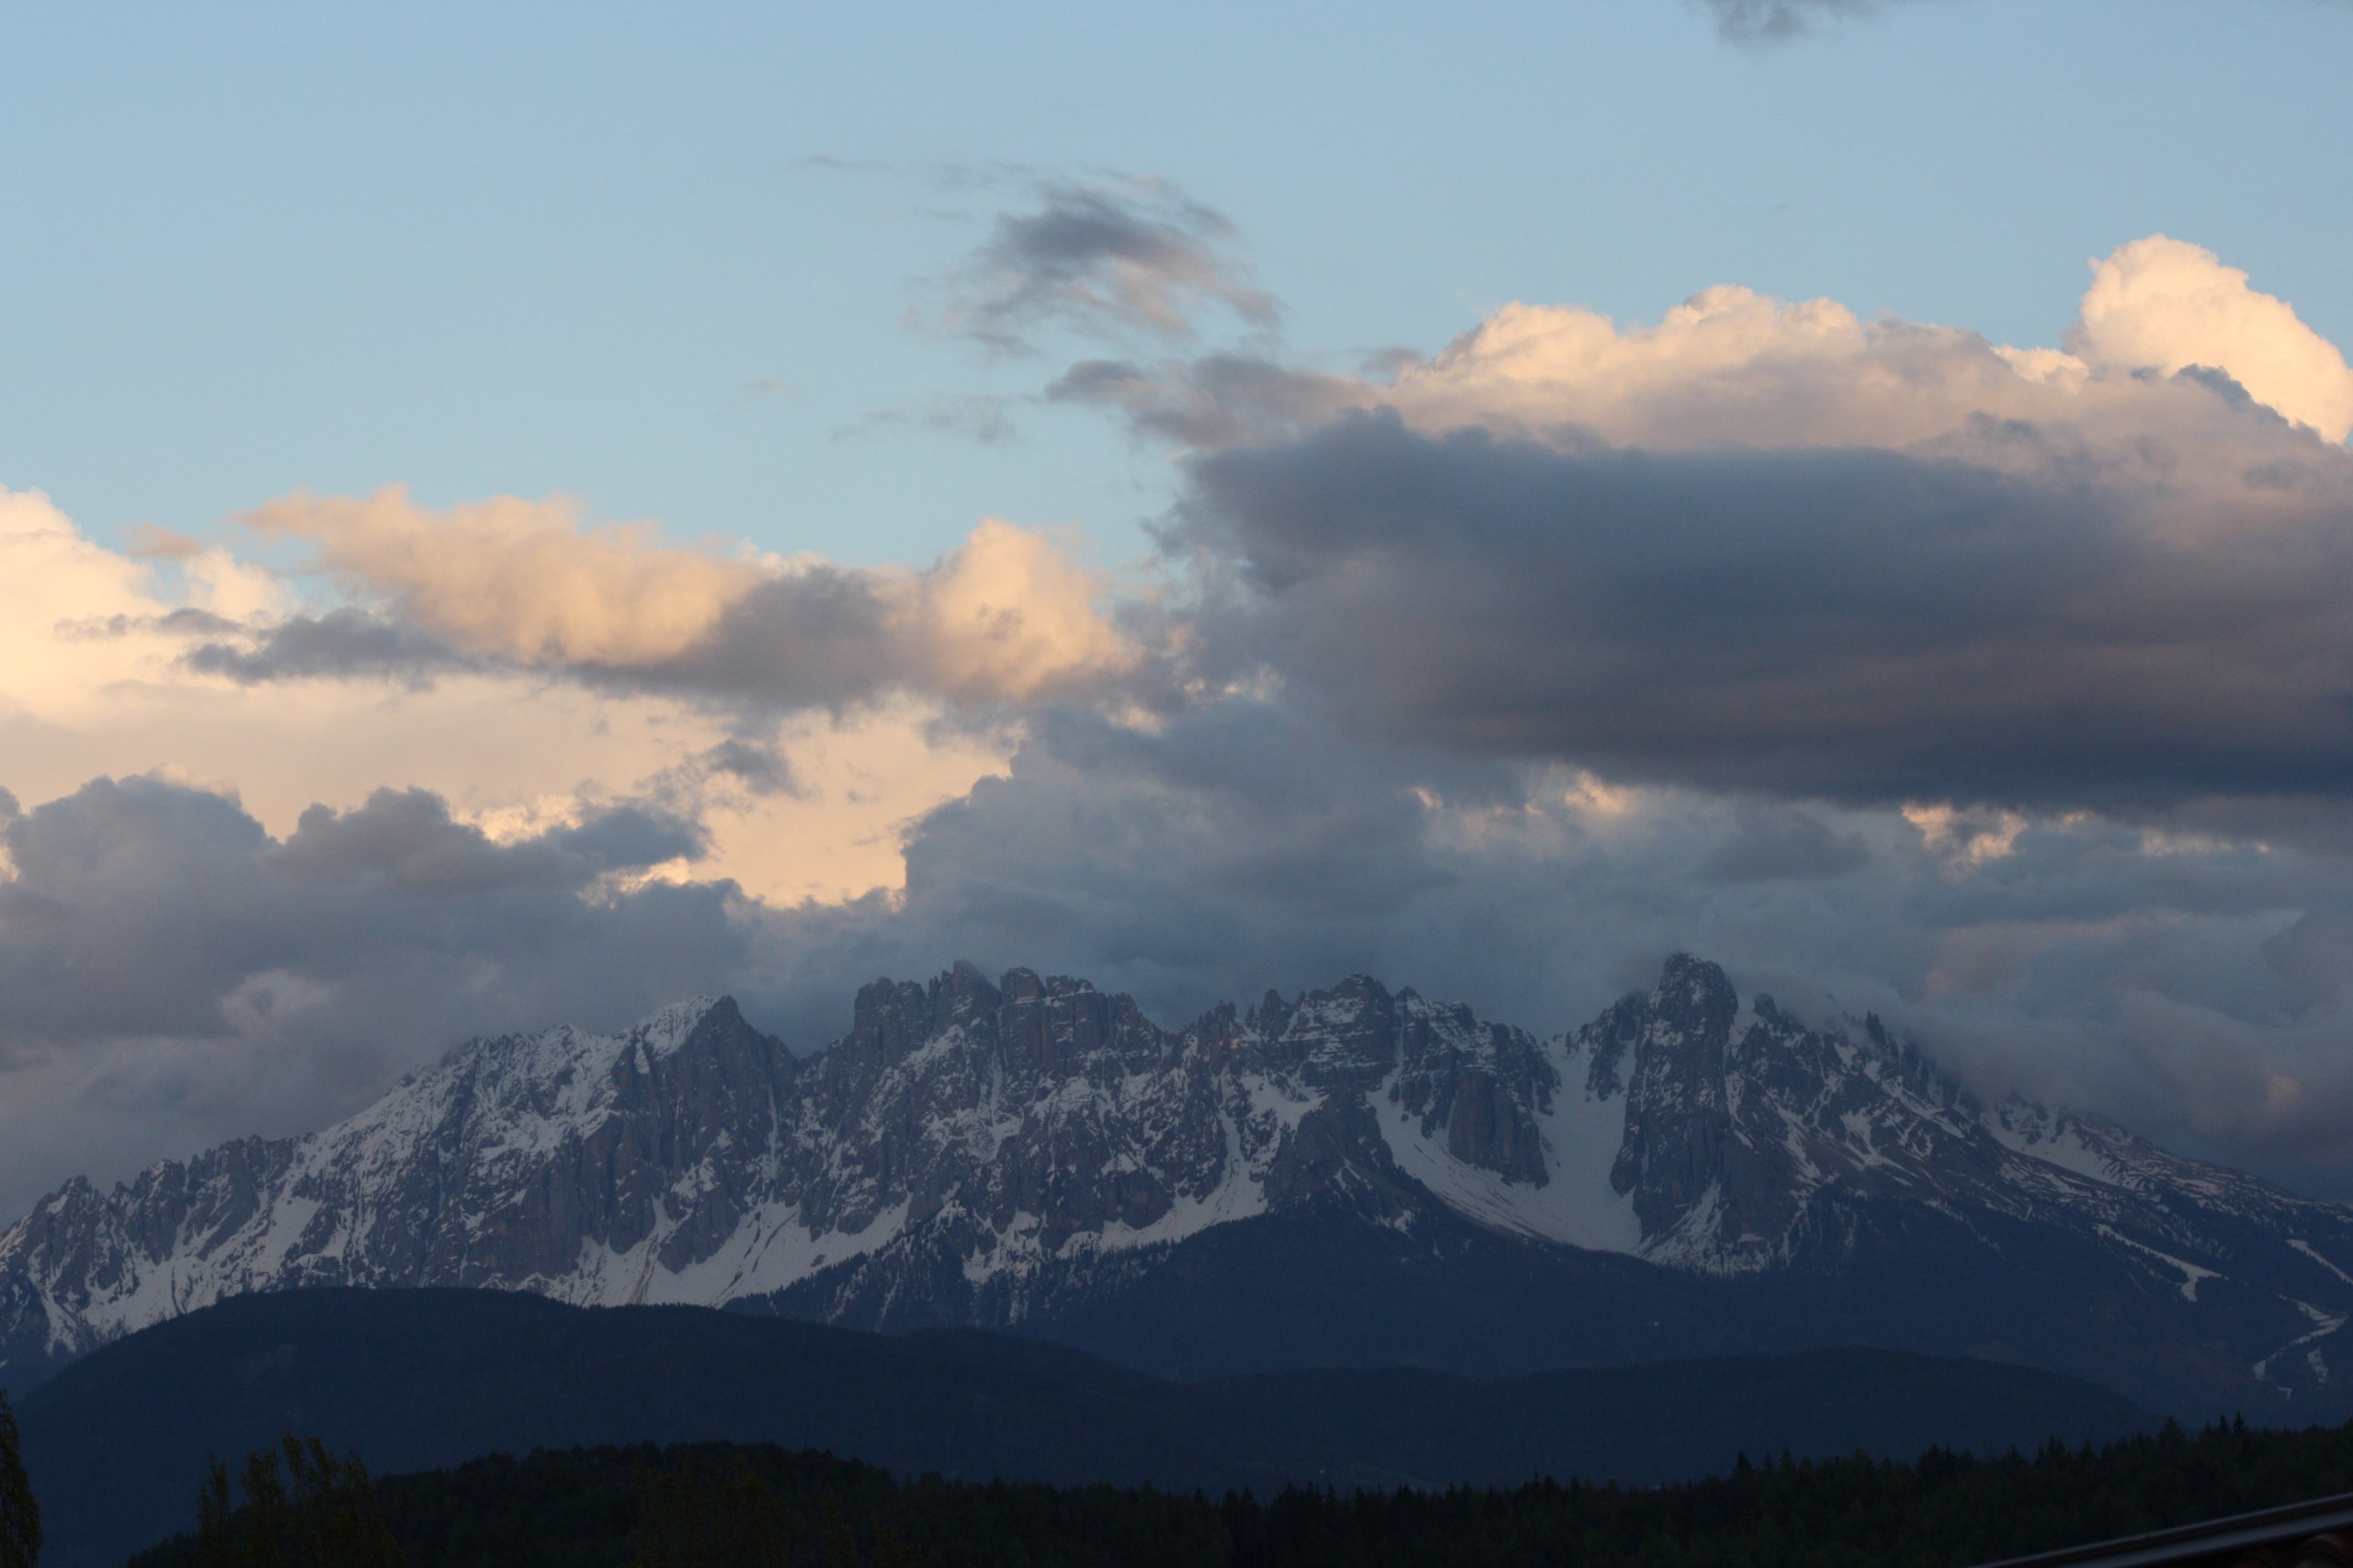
1732 368
61 595
2163 304
1009 614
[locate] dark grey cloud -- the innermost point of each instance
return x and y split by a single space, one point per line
1136 259
138 907
185 621
342 644
2011 619
1774 845
170 974
822 638
761 769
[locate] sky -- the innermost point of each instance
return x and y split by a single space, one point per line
522 512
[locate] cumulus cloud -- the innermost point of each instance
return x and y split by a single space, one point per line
53 583
2163 304
1732 368
1136 259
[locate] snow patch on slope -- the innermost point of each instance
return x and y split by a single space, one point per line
1577 1207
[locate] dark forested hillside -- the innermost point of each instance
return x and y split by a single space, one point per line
582 1509
411 1380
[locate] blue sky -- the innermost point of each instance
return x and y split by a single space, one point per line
519 249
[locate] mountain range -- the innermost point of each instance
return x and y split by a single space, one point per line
1352 1176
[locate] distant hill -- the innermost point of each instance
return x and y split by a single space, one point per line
415 1379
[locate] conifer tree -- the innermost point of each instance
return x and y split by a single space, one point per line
265 1512
672 1519
216 1546
327 1518
334 1511
749 1524
841 1547
19 1512
894 1550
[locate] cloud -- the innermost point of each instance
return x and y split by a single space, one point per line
980 417
344 644
161 900
51 582
111 670
1763 545
1007 617
2166 305
520 579
1136 259
1732 368
1777 21
1783 845
2007 619
170 965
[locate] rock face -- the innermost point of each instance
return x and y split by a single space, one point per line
1034 1152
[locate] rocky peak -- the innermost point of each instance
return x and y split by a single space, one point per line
1345 1038
1695 1000
1677 1126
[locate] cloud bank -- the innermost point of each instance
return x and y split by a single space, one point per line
2005 691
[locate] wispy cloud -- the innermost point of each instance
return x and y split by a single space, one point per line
986 418
1134 258
1758 22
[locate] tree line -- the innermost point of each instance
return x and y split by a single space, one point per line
699 1505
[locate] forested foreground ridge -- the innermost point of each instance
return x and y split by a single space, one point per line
711 1504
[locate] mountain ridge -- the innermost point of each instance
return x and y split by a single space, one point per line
1028 1153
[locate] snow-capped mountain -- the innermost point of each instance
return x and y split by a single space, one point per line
1351 1175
